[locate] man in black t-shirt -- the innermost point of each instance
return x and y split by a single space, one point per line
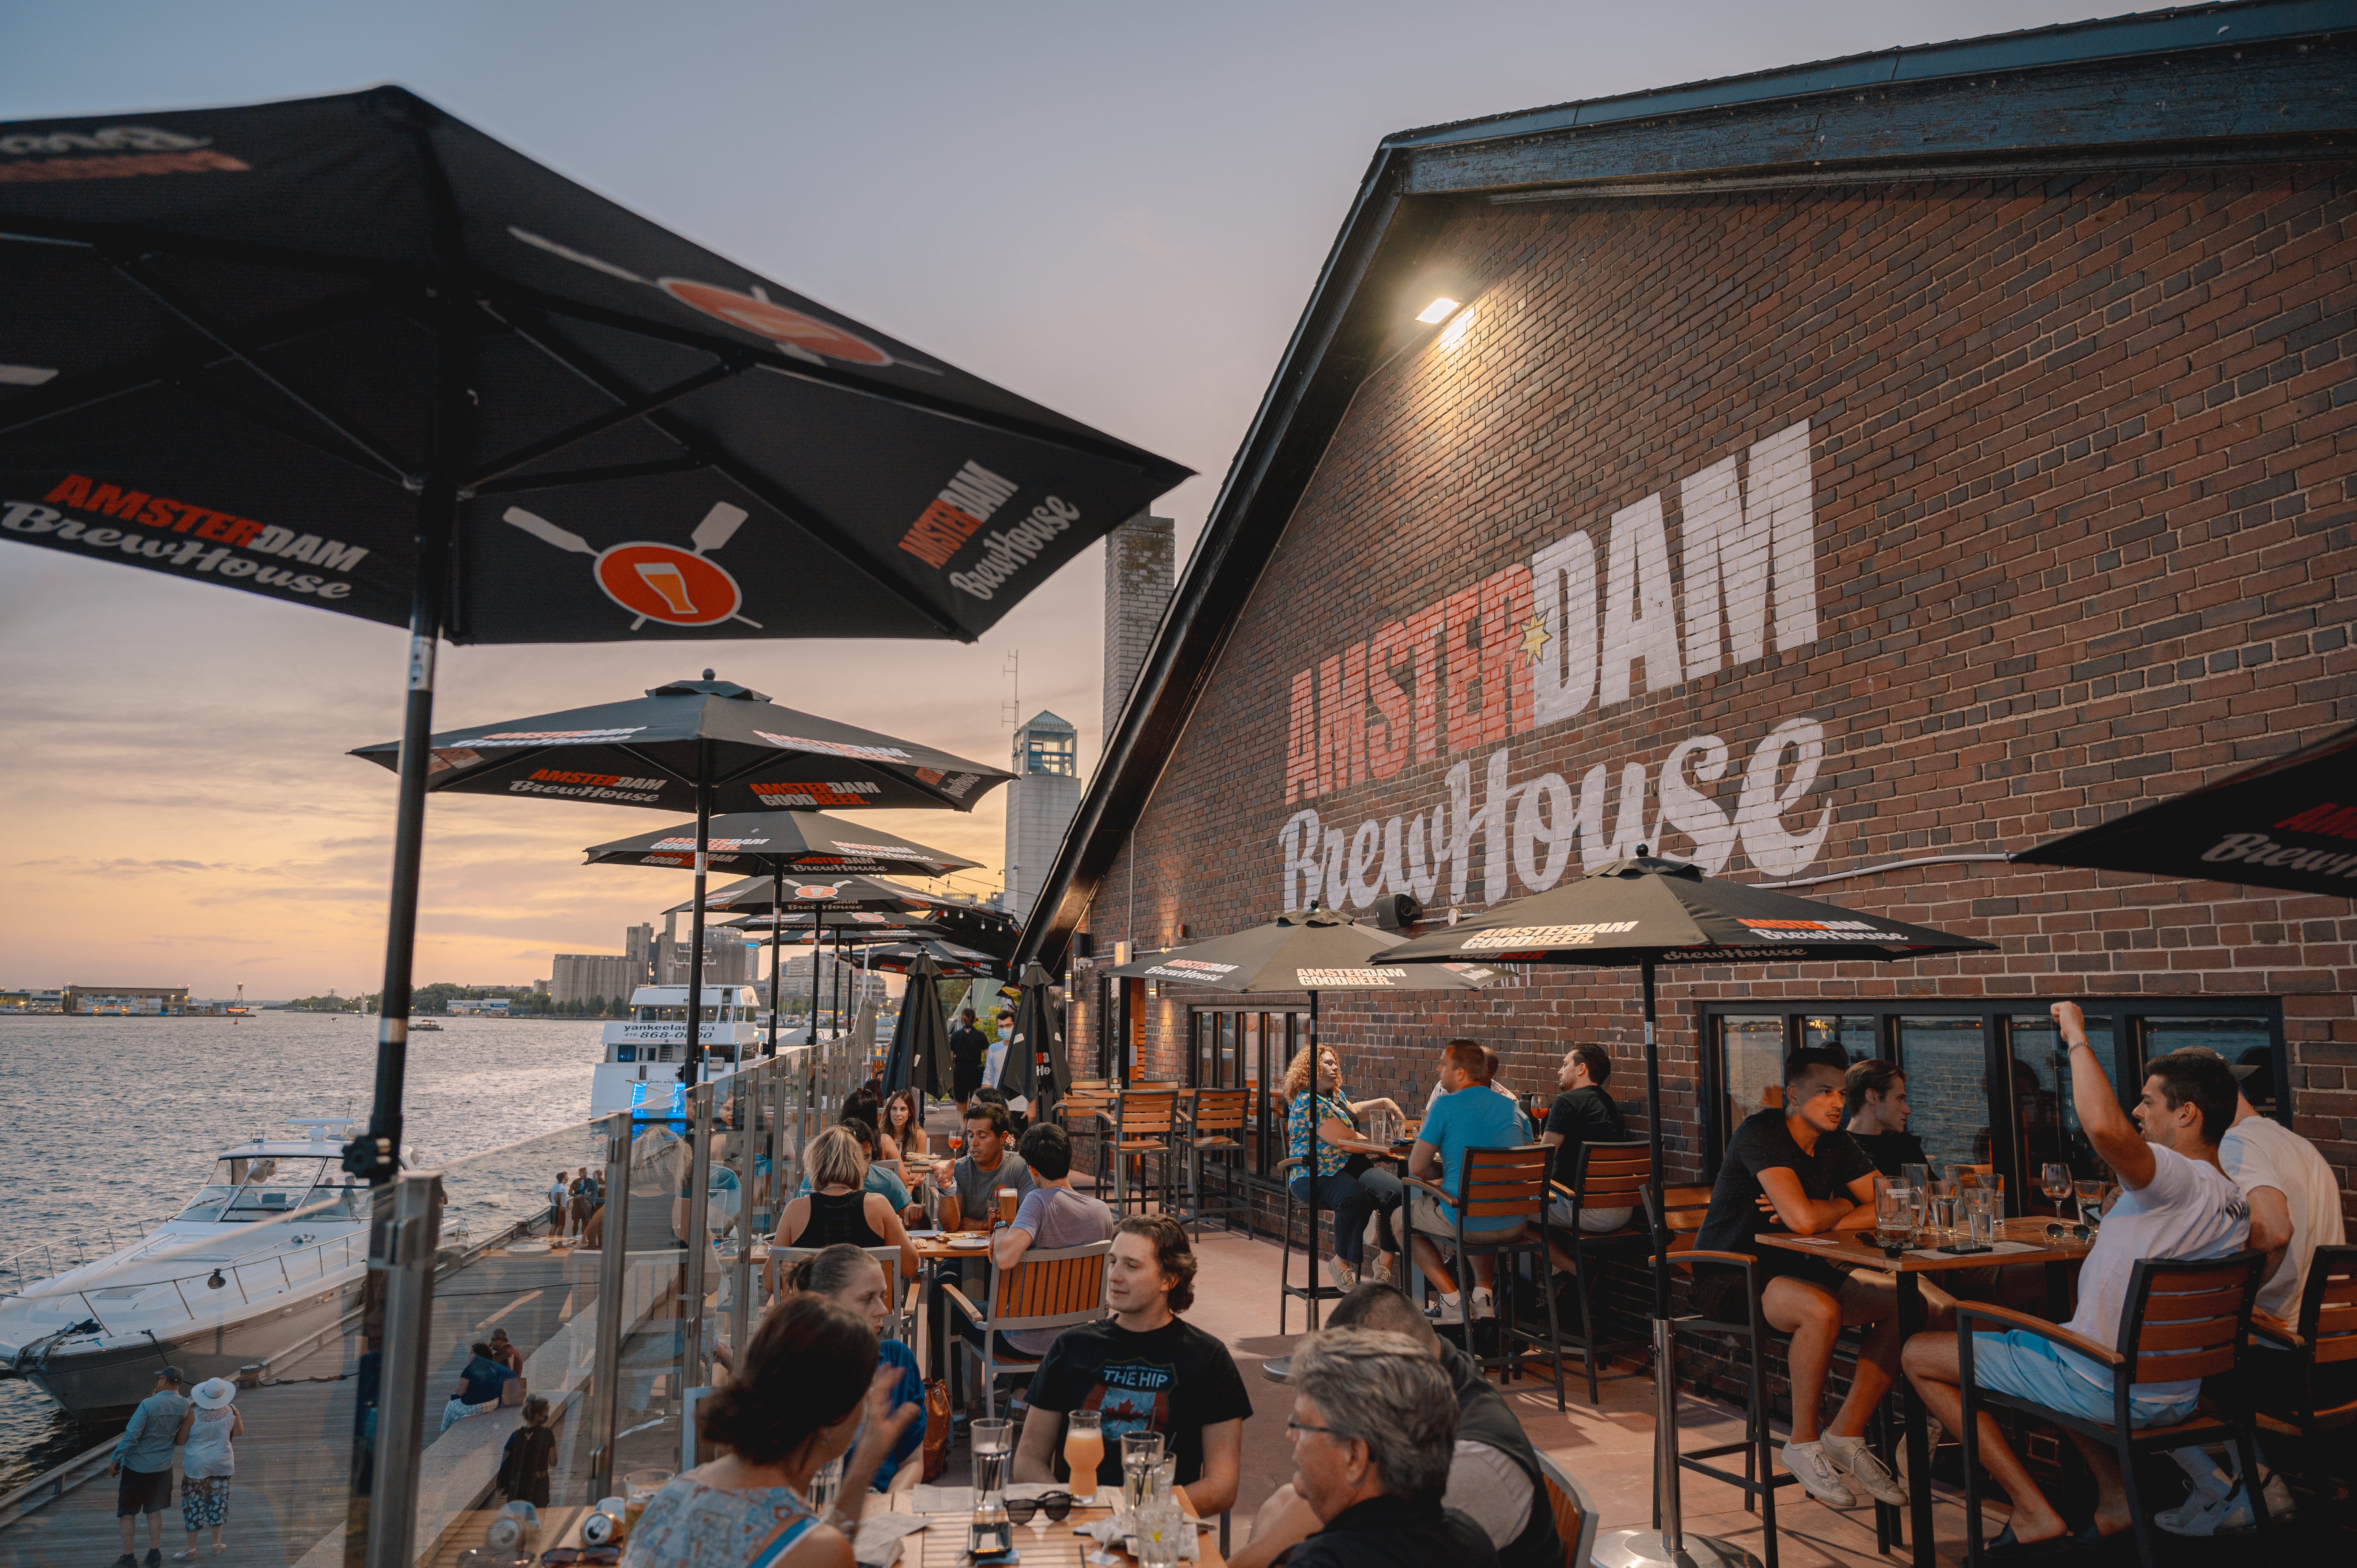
1143 1369
1582 1114
967 1047
1874 1109
1794 1169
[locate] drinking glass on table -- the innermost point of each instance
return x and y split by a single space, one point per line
1010 1201
1943 1208
1980 1217
825 1486
1084 1452
1894 1208
993 1457
1159 1533
2054 1181
1141 1455
2089 1195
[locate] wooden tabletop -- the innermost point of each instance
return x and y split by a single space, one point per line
942 1543
1857 1247
935 1249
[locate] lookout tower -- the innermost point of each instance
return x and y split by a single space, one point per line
1039 803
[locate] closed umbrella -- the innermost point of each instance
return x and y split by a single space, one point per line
710 743
802 842
1649 912
351 353
2290 822
1035 1065
920 1040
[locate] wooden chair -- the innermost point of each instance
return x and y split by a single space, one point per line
1675 1214
1048 1289
1575 1513
1610 1176
1142 1125
1494 1185
2185 1320
1215 1128
2324 1338
1084 1111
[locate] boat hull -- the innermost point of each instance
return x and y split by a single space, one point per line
107 1378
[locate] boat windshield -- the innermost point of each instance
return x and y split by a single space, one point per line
247 1189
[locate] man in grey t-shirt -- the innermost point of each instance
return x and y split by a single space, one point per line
972 1181
1052 1216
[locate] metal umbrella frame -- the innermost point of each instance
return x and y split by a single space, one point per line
805 842
1646 911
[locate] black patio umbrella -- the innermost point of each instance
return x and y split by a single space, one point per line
1649 912
695 740
949 960
1035 1065
920 1040
1304 950
991 930
805 842
352 353
2290 822
885 922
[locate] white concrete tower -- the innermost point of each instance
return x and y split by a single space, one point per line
1041 801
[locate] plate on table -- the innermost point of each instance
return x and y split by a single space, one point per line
969 1242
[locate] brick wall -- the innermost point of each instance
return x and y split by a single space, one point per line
2076 518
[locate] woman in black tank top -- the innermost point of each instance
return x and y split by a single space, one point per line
838 1210
839 1219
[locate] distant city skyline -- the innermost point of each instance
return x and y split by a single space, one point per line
1118 212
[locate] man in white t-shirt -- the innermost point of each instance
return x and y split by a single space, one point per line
2175 1201
2294 1208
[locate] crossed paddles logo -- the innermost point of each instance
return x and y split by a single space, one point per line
659 582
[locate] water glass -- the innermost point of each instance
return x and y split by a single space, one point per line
994 1458
1943 1208
1141 1456
1158 1532
1166 1482
1994 1185
825 1486
1980 1217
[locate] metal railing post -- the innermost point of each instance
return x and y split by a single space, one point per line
699 1238
411 1241
747 1118
613 1280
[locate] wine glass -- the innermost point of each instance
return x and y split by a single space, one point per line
2054 1181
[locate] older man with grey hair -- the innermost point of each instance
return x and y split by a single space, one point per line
1374 1431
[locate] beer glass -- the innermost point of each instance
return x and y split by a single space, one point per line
1084 1452
1009 1200
1894 1208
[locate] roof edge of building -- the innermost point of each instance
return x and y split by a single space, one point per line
1649 140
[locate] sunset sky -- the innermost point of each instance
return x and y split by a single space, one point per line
1117 210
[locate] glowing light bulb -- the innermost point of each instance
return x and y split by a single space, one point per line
1436 311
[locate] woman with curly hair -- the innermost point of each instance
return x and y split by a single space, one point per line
1318 1117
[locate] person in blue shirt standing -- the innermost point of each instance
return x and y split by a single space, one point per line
1467 1116
144 1461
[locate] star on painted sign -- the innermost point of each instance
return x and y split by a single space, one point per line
1535 638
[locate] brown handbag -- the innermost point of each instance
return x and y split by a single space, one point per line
936 1451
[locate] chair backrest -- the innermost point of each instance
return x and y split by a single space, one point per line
1148 1113
1222 1109
1504 1183
1612 1175
1081 1104
1051 1288
2187 1320
2327 1306
1575 1513
1677 1211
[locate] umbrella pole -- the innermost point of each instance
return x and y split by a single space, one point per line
1669 1547
688 1072
776 896
376 1156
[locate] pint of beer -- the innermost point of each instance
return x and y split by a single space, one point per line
1008 1201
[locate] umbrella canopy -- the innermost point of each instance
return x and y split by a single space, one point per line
351 353
846 925
1035 1066
1649 912
801 843
991 930
920 1040
834 893
2289 823
1304 950
256 356
949 960
654 750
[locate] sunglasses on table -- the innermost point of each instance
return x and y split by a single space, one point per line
1055 1505
2069 1232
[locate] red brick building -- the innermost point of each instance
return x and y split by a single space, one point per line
1843 477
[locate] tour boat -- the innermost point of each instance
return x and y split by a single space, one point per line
269 1256
644 1052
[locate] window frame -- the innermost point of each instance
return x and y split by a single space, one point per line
1283 1028
2131 1015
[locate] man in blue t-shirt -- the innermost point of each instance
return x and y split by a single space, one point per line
1467 1116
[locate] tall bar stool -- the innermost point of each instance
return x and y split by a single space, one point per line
1610 1176
1145 1124
1085 1113
1495 1186
1311 1292
1673 1215
1215 1128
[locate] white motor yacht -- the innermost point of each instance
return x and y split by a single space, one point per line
644 1052
270 1254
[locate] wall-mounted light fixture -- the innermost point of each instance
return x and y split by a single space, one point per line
1436 312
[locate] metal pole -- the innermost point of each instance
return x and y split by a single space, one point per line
776 896
688 1072
613 1279
699 1237
375 1156
747 1099
410 1243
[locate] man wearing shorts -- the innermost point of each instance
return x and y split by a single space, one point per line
1467 1116
2176 1201
1792 1168
144 1461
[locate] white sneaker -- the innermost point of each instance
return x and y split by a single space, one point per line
1484 1304
1345 1275
2205 1513
1857 1461
1450 1310
1817 1475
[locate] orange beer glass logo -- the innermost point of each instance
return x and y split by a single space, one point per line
667 582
